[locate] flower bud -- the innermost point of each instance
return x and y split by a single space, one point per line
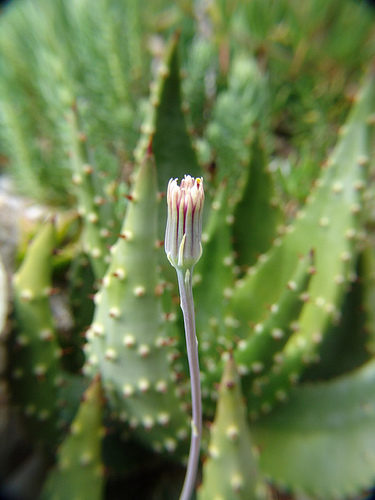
184 223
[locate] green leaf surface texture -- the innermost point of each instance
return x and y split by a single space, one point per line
322 442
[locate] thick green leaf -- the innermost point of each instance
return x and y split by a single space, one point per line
329 224
322 443
257 215
165 125
79 470
35 372
369 295
231 471
126 340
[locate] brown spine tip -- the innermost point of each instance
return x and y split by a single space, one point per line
159 290
149 147
65 351
176 35
53 218
82 136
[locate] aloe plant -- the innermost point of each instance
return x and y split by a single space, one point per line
273 105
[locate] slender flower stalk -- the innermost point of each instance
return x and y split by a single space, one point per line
183 248
187 306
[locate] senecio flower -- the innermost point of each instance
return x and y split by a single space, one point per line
184 224
183 248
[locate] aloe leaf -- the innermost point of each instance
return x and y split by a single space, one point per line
199 86
369 295
329 224
127 340
165 123
79 470
257 213
322 443
35 372
231 471
347 344
258 351
214 273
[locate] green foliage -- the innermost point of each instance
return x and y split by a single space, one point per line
126 342
332 208
231 471
258 201
100 105
320 424
35 374
236 110
79 470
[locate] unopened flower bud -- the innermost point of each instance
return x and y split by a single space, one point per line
184 223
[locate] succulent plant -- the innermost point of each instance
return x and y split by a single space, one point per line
262 99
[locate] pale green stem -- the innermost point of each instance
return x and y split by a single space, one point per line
187 306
